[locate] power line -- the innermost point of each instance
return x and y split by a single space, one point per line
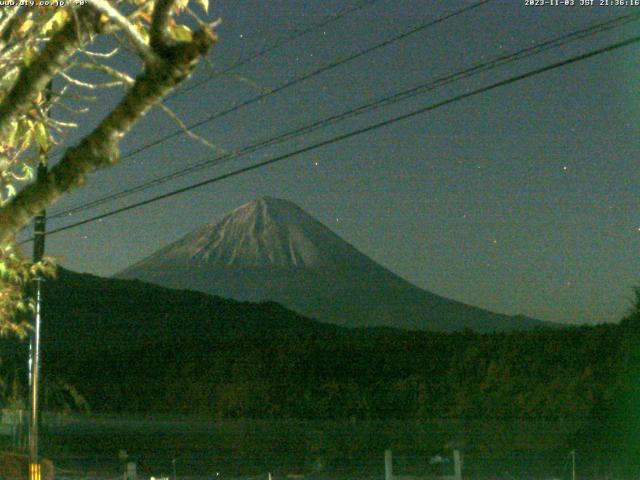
420 89
302 78
353 133
279 43
307 76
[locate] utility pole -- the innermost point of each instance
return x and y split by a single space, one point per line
34 361
34 346
388 465
457 465
573 464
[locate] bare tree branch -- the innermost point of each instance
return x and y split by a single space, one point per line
34 78
109 54
89 85
100 148
107 70
8 15
127 27
60 123
67 108
159 23
173 115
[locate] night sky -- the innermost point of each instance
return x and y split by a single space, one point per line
520 200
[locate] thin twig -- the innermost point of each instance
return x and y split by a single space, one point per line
60 123
73 111
107 70
88 85
78 96
127 27
9 14
100 54
188 132
248 81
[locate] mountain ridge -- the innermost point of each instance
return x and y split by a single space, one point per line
271 249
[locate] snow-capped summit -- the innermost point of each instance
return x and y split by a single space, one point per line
264 232
271 249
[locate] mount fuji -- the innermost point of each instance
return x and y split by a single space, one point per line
271 249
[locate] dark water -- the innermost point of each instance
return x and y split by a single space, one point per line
229 449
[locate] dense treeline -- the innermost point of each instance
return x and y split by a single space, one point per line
363 375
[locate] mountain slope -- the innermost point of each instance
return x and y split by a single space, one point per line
129 315
270 249
120 341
